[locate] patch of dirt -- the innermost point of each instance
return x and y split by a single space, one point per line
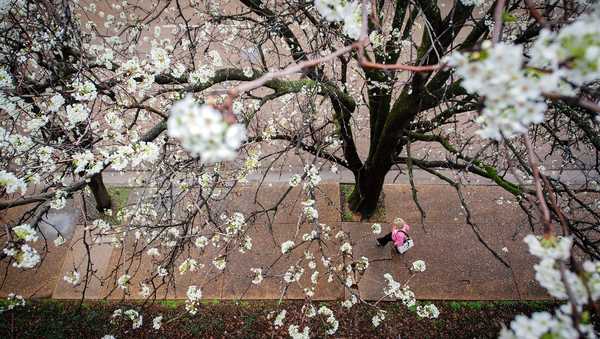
250 319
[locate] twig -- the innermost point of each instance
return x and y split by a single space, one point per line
534 12
542 205
498 20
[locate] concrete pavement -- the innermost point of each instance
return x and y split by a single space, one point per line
458 265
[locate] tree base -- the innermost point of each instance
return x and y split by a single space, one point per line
350 201
101 196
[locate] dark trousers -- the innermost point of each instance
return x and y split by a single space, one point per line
385 239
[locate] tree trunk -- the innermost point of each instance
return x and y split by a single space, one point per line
100 192
369 184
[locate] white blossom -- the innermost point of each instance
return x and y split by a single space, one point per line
56 102
135 317
13 301
312 176
37 123
59 202
178 70
188 264
258 277
220 263
201 242
72 277
84 90
160 59
157 322
25 256
81 161
428 311
75 114
144 290
194 294
346 248
6 80
294 273
348 303
59 241
309 210
378 318
201 75
418 266
558 248
25 232
376 228
279 319
350 12
11 183
203 132
472 2
331 321
294 332
295 180
287 246
512 99
123 281
153 252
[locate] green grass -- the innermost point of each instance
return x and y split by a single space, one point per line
458 306
243 303
345 192
537 305
170 304
471 305
119 197
347 216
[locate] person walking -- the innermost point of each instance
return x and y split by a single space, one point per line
399 235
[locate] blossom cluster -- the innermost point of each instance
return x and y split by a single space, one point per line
23 254
512 98
294 332
428 311
12 301
397 290
136 318
72 277
194 294
312 178
11 183
514 87
330 320
203 131
571 54
349 12
577 288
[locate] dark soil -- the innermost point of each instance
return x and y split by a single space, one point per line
248 319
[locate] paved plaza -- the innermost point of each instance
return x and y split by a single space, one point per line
459 266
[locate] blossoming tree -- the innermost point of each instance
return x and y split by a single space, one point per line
188 98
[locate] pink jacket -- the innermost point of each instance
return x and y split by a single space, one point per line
398 237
